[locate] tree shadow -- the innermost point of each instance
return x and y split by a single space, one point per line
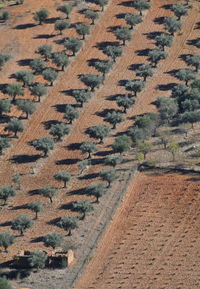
143 52
172 72
68 206
159 20
166 87
51 20
152 35
24 62
134 66
60 107
53 221
37 240
67 161
47 124
6 224
193 41
184 56
89 176
97 161
120 15
104 112
3 87
103 44
34 192
24 26
4 118
197 26
122 82
44 36
20 207
113 28
126 4
78 192
22 159
166 6
74 146
103 153
92 61
67 92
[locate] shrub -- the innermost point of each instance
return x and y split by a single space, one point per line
4 16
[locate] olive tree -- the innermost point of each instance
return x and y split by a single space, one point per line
45 50
61 25
141 5
73 44
24 76
4 284
50 75
36 207
92 80
123 34
44 144
101 3
185 74
144 70
68 224
109 176
14 90
133 19
113 160
155 55
4 143
81 95
134 86
113 51
194 60
98 132
48 192
21 223
172 25
83 30
125 102
27 106
66 9
163 40
70 113
179 10
92 15
6 240
41 15
4 16
190 117
145 148
38 90
16 178
37 65
114 118
62 176
88 147
15 125
167 108
83 206
61 60
173 148
83 164
103 66
3 59
59 130
5 106
53 239
96 190
121 144
7 192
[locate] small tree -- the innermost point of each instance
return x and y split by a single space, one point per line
82 165
134 86
38 65
138 134
91 14
98 132
179 91
101 3
141 5
14 90
39 90
144 70
88 147
73 44
41 15
83 30
43 144
92 80
70 113
59 130
113 51
4 143
63 176
172 25
114 118
17 180
45 50
4 16
21 223
165 138
113 161
145 148
173 149
50 75
96 190
191 117
36 207
53 240
81 95
103 66
139 157
68 224
185 74
155 55
61 60
25 76
125 101
37 259
48 192
168 108
5 106
109 176
83 206
121 144
61 25
66 9
123 34
4 284
3 59
15 125
133 19
27 106
194 60
179 10
164 40
6 240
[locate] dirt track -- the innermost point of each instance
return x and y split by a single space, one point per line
153 241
